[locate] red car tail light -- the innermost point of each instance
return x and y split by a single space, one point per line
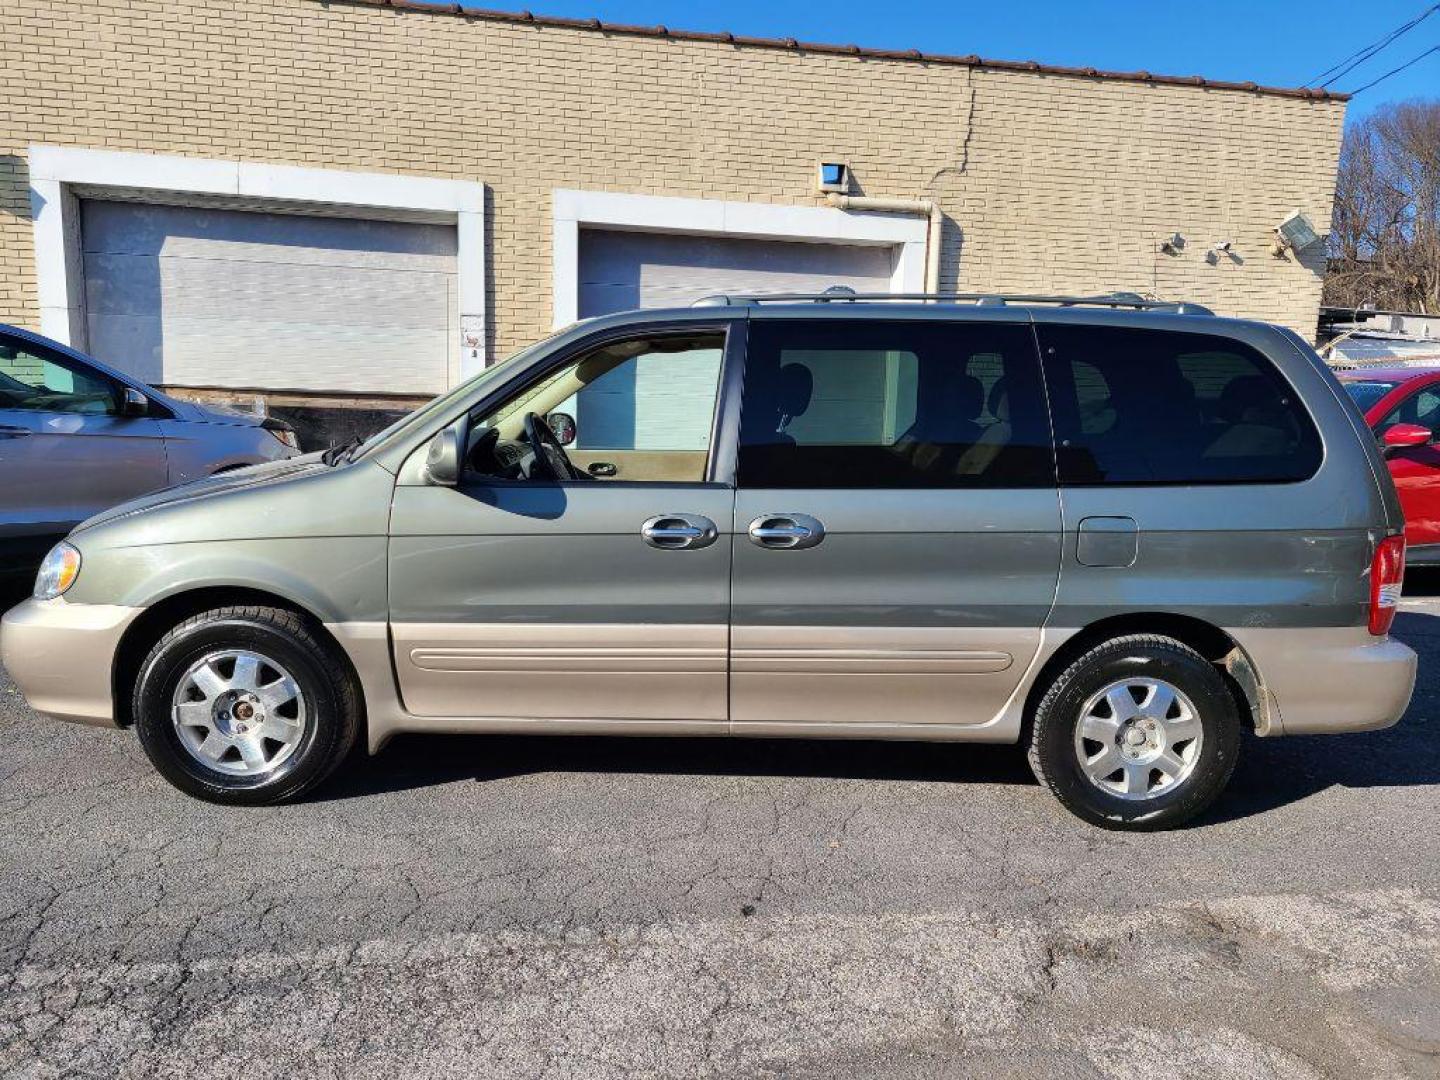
1387 570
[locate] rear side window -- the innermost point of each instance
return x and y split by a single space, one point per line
851 404
1135 406
1367 393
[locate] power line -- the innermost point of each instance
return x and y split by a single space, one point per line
1396 71
1380 46
1355 59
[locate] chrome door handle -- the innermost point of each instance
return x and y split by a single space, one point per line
679 532
786 532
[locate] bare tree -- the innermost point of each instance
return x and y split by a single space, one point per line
1385 235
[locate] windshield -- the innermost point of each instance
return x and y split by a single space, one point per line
1367 392
441 403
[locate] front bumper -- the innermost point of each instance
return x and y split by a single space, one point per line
62 656
1331 679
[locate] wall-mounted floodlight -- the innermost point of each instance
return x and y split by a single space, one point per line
1173 244
1295 233
833 176
1219 249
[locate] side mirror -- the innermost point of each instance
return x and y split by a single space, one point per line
1401 436
134 403
563 425
446 455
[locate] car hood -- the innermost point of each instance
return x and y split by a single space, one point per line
217 414
250 477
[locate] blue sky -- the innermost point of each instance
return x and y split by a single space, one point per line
1277 42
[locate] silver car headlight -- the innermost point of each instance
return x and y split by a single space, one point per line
58 572
282 431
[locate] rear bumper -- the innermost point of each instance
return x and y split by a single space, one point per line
62 656
1422 555
1331 679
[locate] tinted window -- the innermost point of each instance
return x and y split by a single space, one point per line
1367 393
44 381
900 404
1154 407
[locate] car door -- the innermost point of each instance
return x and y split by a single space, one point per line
67 450
897 525
516 597
1416 469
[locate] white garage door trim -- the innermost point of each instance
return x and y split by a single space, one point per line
56 171
715 217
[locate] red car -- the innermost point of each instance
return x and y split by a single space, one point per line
1402 407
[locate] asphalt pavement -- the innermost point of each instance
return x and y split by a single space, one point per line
575 907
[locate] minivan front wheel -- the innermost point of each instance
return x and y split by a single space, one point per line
1141 732
245 706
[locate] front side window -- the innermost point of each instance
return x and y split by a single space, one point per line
1140 406
639 409
40 380
1421 407
920 404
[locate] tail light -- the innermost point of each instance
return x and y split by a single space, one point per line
1387 570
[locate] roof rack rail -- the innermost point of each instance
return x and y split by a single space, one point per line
840 294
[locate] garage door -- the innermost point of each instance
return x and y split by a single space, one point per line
620 270
183 296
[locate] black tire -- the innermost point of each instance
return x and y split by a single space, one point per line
1053 748
332 701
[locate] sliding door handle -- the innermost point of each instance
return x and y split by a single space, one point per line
786 532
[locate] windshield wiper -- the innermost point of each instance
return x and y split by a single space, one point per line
341 452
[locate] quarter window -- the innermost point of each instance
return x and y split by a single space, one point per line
43 381
1139 406
923 404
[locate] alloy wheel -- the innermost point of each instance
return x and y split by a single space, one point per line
239 712
1138 738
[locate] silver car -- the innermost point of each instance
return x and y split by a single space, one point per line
1119 533
77 437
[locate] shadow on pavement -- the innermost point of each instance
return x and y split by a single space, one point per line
13 589
422 760
1422 581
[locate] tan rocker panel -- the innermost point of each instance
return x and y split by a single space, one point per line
598 670
875 674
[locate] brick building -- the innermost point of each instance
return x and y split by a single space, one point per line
346 202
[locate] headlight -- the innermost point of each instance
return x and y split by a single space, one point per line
282 431
58 572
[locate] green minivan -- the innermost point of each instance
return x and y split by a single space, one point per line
1120 533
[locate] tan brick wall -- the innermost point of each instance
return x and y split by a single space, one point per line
1051 183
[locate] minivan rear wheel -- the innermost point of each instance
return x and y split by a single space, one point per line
245 706
1140 732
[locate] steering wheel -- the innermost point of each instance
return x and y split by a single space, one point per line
549 454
